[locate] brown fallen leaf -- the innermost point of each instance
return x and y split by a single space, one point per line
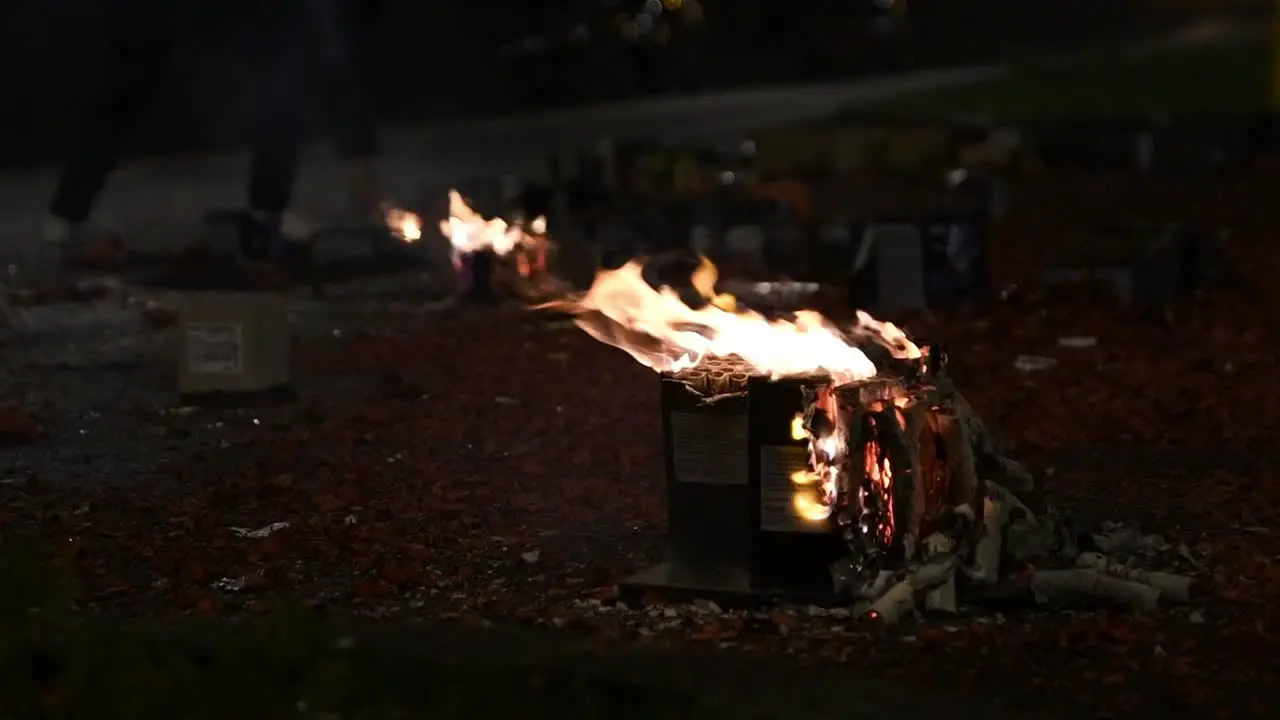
17 427
782 620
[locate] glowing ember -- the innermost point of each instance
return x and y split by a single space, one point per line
809 498
805 478
880 476
406 225
847 476
469 231
797 427
533 261
816 487
809 507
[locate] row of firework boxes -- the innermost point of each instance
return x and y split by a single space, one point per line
823 150
816 230
1179 145
899 257
775 157
794 159
890 148
805 153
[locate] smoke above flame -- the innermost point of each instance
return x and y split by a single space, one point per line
661 331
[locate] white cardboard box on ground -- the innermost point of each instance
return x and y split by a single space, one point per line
232 342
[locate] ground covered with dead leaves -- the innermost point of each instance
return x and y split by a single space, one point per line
499 466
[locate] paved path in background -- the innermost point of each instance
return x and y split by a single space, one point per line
158 203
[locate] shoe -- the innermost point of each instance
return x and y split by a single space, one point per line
295 228
292 227
260 236
276 251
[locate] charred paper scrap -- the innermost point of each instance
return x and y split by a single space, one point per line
929 510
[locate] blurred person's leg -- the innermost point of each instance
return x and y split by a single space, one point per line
141 37
348 29
278 54
303 34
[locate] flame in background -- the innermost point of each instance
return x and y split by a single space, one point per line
468 231
406 225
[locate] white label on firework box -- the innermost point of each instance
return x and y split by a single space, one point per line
778 493
709 448
215 349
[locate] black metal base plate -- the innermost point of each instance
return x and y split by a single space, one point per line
730 589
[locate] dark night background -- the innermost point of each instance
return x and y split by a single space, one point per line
438 60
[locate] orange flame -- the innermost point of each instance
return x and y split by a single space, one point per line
809 507
816 487
660 331
468 231
406 225
880 473
797 427
829 452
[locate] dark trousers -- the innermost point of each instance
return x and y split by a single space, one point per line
289 42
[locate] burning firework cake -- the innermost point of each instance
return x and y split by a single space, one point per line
793 459
730 456
743 516
895 461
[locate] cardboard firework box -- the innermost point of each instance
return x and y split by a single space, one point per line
232 343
